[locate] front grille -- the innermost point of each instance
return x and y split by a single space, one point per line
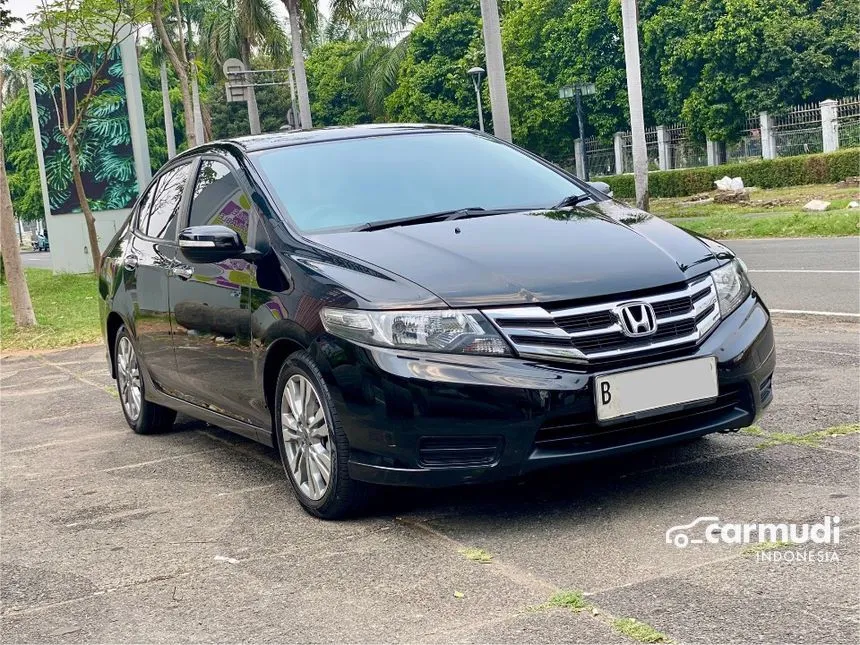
591 333
581 433
459 451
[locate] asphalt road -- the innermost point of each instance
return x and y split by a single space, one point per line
192 535
37 260
805 275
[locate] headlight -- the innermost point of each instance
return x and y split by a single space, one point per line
733 286
451 331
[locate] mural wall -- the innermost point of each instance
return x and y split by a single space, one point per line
105 150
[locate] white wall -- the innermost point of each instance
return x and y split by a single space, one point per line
70 242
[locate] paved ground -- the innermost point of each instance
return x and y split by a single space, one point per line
37 260
192 536
814 274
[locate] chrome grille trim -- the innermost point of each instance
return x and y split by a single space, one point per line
538 332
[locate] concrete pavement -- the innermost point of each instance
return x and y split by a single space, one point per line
810 274
193 536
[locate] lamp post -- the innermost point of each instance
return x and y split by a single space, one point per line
476 73
577 91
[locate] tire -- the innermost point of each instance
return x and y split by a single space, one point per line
341 496
142 416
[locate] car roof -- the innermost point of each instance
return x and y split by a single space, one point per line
255 142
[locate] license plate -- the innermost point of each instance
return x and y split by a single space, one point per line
651 388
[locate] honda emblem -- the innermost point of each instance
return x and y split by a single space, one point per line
636 319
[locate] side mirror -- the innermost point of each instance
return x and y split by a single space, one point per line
601 186
210 244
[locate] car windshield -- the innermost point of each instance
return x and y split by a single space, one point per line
355 182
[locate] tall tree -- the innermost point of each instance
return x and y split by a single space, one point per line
385 29
301 12
179 61
73 42
19 294
234 28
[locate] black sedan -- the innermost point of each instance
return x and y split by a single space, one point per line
421 306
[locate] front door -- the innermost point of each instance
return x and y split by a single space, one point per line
146 269
210 316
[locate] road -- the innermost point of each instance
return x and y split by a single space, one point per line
36 260
805 275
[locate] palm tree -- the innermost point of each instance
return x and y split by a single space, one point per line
233 28
303 14
386 28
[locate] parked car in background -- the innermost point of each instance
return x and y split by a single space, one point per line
421 306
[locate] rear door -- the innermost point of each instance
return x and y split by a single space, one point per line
147 265
211 317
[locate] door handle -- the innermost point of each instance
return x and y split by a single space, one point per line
182 271
130 261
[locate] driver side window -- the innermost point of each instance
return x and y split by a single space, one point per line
219 199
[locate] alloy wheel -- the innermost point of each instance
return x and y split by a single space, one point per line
307 445
128 379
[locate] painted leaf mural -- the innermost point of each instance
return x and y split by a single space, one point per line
104 142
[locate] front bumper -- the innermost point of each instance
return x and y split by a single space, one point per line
421 419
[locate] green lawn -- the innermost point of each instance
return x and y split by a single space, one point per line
66 308
769 213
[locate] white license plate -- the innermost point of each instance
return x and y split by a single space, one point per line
651 388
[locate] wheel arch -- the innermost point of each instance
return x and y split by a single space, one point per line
277 353
112 326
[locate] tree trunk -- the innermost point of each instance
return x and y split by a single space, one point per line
299 63
181 69
629 16
85 205
253 111
496 70
19 294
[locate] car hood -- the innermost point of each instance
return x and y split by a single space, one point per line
533 256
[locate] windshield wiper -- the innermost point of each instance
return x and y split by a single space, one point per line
441 216
572 200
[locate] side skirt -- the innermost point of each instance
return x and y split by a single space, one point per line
258 434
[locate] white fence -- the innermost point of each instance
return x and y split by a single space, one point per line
804 129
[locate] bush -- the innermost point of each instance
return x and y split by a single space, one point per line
769 173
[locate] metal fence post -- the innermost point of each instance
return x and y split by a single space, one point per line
663 157
768 138
578 149
618 143
830 125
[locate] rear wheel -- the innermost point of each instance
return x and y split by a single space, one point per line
314 449
142 416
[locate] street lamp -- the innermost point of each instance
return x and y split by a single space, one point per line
476 73
577 91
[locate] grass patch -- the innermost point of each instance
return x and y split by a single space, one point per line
830 224
477 555
775 212
639 631
811 439
573 600
67 310
766 546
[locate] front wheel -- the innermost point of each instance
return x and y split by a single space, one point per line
142 416
314 449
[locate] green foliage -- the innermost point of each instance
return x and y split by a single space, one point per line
21 166
331 85
711 62
552 43
769 173
433 84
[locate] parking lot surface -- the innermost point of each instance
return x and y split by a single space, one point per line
190 536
